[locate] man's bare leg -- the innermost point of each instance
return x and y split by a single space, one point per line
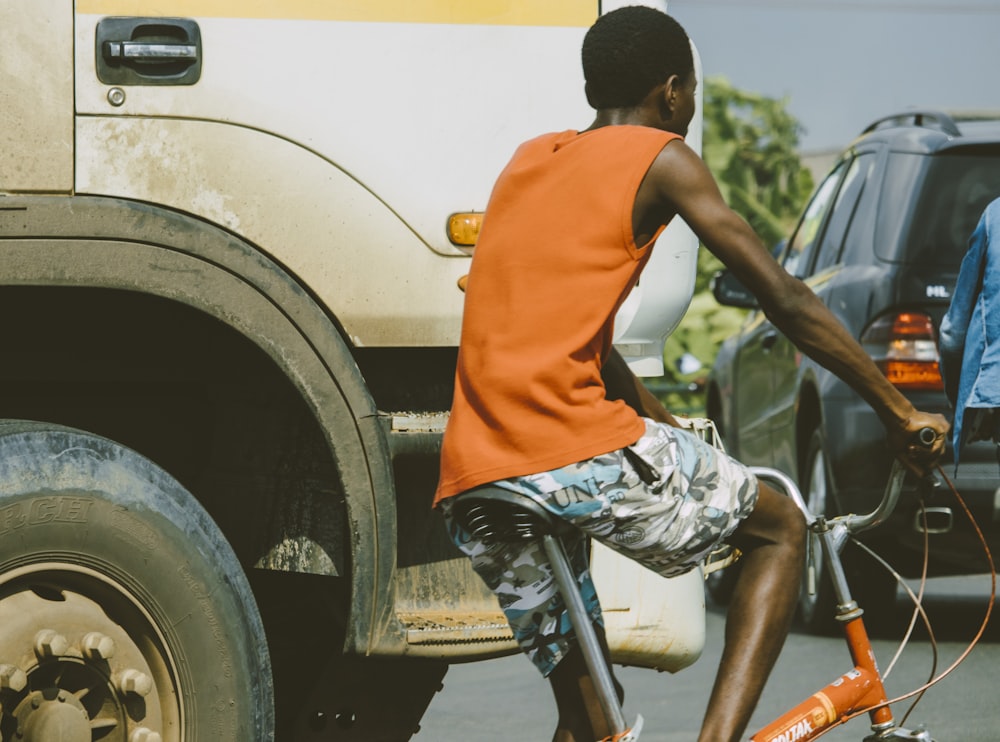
773 543
581 717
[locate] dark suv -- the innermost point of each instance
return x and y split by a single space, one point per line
880 242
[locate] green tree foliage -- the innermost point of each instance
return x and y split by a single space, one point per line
750 143
751 146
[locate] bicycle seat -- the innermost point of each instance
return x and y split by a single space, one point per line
496 515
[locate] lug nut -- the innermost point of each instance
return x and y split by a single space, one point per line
135 681
12 678
144 735
49 643
97 646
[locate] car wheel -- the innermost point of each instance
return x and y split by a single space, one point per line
816 599
125 613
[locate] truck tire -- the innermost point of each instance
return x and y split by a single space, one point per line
122 605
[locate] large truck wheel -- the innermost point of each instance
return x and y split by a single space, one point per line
124 613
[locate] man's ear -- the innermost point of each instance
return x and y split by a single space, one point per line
667 97
670 90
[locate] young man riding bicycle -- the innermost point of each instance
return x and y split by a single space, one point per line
568 229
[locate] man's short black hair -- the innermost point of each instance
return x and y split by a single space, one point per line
629 51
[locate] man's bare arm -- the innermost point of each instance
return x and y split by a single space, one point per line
621 383
682 179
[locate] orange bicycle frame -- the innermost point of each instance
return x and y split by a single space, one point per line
858 689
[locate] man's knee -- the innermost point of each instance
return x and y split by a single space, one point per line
792 519
775 519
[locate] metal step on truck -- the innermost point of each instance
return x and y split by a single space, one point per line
231 238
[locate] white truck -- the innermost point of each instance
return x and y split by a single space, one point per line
231 237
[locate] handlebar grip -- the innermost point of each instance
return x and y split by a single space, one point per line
931 483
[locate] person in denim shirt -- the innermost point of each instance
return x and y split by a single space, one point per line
970 338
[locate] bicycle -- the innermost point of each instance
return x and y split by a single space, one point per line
861 689
495 514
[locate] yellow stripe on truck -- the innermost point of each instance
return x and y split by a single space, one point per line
485 12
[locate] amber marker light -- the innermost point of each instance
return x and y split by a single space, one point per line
904 348
463 229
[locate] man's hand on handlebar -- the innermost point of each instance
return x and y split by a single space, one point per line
908 443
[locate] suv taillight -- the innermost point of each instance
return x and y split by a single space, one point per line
903 346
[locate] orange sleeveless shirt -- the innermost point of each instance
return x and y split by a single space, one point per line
555 259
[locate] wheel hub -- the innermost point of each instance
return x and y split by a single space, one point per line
84 675
52 714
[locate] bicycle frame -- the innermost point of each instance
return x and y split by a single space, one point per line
862 687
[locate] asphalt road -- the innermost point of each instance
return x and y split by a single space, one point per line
504 699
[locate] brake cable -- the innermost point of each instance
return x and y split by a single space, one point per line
982 628
915 598
919 608
913 619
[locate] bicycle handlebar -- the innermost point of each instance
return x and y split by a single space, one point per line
857 523
851 522
926 437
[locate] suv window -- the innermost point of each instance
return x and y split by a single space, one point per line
800 248
953 190
843 212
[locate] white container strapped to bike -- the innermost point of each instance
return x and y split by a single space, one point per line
654 621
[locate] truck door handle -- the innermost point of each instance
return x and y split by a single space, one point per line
148 51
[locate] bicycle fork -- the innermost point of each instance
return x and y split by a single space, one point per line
858 689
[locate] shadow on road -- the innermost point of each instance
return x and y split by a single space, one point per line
954 618
955 606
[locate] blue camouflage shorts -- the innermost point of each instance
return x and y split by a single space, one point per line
666 502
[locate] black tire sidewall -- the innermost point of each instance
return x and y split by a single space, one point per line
816 612
73 498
